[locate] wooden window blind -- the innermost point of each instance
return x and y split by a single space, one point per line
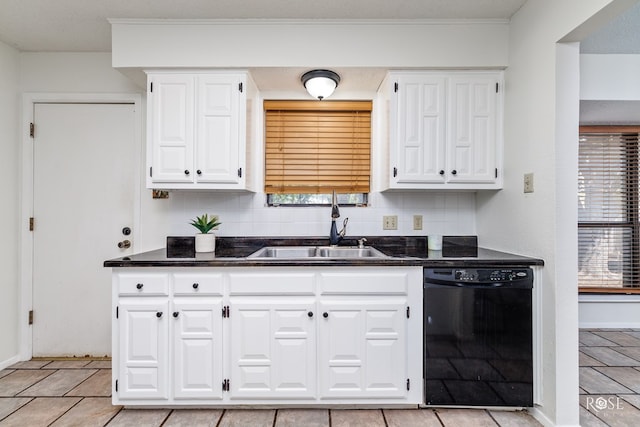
316 147
608 208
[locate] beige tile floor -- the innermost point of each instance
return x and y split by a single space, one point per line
77 393
609 377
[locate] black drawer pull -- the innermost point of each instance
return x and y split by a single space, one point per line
195 285
159 314
139 286
325 314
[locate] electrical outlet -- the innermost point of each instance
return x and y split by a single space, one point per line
390 222
417 222
528 182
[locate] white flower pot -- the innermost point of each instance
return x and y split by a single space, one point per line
205 242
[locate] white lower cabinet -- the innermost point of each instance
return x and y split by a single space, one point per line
363 349
267 335
197 348
143 348
273 348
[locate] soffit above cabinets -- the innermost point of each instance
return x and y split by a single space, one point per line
82 26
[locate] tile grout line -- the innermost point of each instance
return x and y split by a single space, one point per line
82 382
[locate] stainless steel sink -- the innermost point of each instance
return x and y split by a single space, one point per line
286 252
317 252
349 252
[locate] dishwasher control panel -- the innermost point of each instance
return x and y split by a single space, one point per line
478 276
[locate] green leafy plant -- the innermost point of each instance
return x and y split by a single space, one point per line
205 223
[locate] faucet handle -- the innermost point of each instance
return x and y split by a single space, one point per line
361 242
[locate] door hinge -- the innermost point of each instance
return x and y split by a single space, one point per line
408 384
151 87
240 87
225 385
225 311
31 317
116 385
31 223
496 87
408 312
32 130
395 87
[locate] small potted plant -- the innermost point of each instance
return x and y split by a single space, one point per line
205 240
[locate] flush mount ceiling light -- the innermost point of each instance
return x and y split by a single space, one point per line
320 83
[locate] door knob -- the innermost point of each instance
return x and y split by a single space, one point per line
125 244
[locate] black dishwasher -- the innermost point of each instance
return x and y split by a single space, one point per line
478 336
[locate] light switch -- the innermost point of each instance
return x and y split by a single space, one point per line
528 182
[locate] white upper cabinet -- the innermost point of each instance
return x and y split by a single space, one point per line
442 130
198 130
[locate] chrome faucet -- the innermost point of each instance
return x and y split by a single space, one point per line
336 237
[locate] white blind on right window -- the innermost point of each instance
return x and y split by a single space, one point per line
608 225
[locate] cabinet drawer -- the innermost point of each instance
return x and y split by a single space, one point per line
143 284
198 284
364 283
272 283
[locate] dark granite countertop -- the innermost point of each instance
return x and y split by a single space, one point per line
403 251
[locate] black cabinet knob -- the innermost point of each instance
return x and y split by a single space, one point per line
441 172
325 314
186 172
126 231
159 314
310 314
175 314
139 286
195 285
453 172
199 172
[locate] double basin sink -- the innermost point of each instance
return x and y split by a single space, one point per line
317 252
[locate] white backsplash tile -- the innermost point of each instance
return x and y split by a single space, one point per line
244 214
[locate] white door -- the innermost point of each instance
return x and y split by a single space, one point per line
83 198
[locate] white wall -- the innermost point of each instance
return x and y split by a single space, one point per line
9 208
610 77
541 137
214 43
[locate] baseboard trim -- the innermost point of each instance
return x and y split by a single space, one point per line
11 361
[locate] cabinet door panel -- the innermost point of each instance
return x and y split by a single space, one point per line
172 108
472 128
273 348
421 129
363 349
218 128
197 335
143 349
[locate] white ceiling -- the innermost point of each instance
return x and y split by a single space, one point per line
82 26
